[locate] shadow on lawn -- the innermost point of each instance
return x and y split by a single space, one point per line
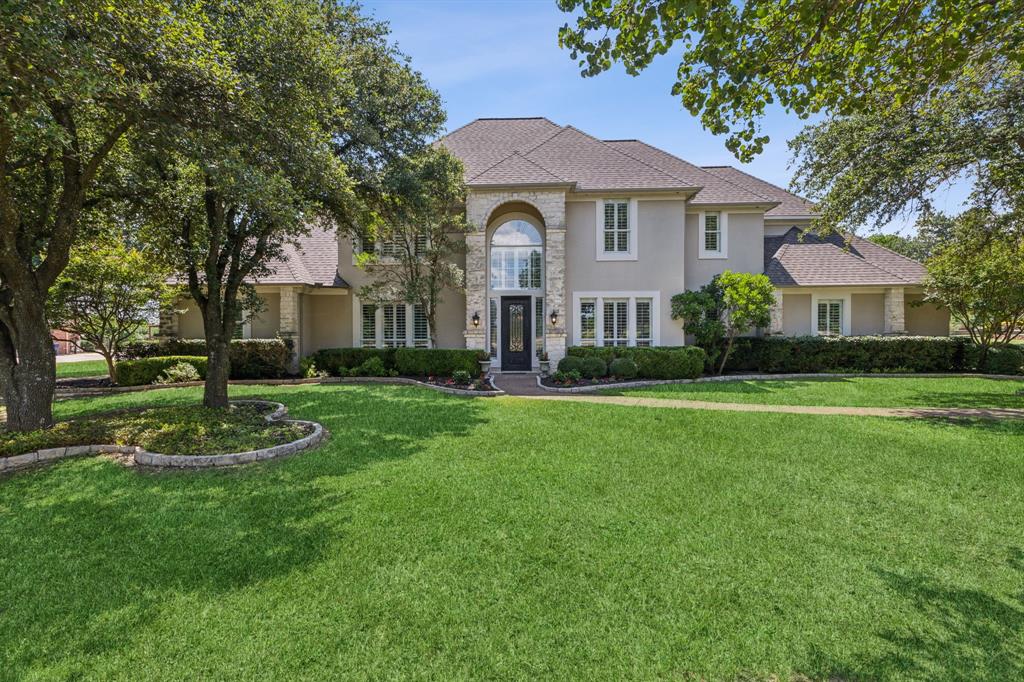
92 551
968 634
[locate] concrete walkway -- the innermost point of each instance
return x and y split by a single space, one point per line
78 357
525 386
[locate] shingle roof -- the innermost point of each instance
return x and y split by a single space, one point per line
535 150
799 258
314 261
714 188
789 204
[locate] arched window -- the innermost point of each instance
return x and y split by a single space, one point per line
517 256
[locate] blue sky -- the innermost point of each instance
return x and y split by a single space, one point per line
501 58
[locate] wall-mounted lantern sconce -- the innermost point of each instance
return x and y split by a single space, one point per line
476 319
554 318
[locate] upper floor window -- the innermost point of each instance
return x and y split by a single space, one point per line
616 230
713 235
517 256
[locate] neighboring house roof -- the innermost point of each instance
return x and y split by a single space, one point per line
799 258
790 205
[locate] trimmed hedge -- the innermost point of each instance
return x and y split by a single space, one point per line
782 355
441 362
438 362
146 370
622 368
250 358
571 363
663 362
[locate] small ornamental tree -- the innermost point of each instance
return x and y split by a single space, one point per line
733 304
701 313
419 227
979 276
105 295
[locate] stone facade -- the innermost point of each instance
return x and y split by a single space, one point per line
168 324
480 206
894 321
777 325
291 323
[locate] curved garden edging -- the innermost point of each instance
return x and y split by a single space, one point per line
104 390
156 459
764 377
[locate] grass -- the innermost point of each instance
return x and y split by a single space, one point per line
85 368
442 537
179 430
913 391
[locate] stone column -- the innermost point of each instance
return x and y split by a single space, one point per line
168 324
476 290
290 326
554 293
894 321
776 328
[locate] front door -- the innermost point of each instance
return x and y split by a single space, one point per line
515 334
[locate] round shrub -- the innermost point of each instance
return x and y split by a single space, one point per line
570 363
147 370
623 368
594 368
373 367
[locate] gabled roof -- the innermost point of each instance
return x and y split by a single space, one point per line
790 205
714 189
799 258
535 150
313 261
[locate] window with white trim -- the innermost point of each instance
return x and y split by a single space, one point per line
369 326
394 325
644 335
616 226
713 235
830 317
619 318
588 329
616 322
517 256
420 331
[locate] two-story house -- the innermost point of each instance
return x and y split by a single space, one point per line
581 241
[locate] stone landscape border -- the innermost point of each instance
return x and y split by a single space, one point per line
156 459
765 377
105 390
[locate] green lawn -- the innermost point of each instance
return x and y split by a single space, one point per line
852 391
85 368
443 537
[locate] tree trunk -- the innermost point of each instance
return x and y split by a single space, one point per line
28 367
111 368
218 370
725 356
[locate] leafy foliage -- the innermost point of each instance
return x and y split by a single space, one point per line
105 295
148 370
840 58
180 373
685 362
979 276
419 216
249 358
623 368
732 304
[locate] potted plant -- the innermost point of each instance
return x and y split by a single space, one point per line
485 363
545 364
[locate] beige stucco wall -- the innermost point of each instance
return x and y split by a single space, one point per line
745 248
190 321
659 265
867 314
796 314
925 320
326 321
267 323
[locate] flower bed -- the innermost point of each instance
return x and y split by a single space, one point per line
481 384
185 431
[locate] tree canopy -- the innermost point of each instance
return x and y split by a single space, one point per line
838 57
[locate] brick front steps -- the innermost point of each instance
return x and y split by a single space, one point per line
156 459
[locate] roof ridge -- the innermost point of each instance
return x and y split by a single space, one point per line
701 168
529 161
880 267
628 156
299 269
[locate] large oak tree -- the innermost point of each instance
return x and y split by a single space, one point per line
76 78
